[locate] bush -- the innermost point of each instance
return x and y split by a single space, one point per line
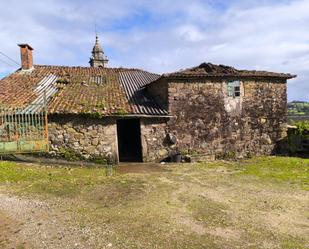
69 154
228 155
297 136
302 127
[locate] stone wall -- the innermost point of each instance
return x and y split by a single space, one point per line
265 106
207 121
159 90
92 139
83 137
154 132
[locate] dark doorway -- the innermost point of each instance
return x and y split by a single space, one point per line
129 140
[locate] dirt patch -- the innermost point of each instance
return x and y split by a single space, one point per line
225 233
35 224
124 168
9 230
117 193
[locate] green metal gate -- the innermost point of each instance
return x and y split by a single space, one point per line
23 130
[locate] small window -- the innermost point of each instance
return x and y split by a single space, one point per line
233 89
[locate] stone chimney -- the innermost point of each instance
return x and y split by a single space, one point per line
26 56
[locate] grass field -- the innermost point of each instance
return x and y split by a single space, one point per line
256 203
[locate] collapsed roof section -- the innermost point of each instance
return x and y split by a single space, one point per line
212 70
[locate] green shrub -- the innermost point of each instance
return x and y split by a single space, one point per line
99 160
227 155
302 127
69 154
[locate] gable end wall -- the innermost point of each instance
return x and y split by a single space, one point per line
159 91
206 121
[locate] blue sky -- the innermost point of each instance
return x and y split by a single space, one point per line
163 36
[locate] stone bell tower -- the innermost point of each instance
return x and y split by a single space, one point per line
98 58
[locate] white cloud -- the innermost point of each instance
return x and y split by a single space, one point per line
163 36
190 33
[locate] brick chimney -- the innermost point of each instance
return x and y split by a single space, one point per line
26 56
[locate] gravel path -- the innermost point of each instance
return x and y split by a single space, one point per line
32 224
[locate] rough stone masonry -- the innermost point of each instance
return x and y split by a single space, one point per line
207 121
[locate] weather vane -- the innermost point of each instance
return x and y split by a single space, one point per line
95 27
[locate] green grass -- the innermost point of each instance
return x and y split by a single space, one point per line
57 181
286 170
292 243
281 169
71 181
209 212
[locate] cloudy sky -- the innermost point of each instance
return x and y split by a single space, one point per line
163 36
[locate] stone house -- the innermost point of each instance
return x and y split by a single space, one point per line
133 115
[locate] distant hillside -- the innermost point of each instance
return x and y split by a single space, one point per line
298 108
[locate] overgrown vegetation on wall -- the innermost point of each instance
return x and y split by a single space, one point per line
298 138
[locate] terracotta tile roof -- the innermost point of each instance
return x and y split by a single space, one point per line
80 90
212 70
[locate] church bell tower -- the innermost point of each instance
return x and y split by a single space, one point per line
98 58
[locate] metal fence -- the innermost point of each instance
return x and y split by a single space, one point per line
24 130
